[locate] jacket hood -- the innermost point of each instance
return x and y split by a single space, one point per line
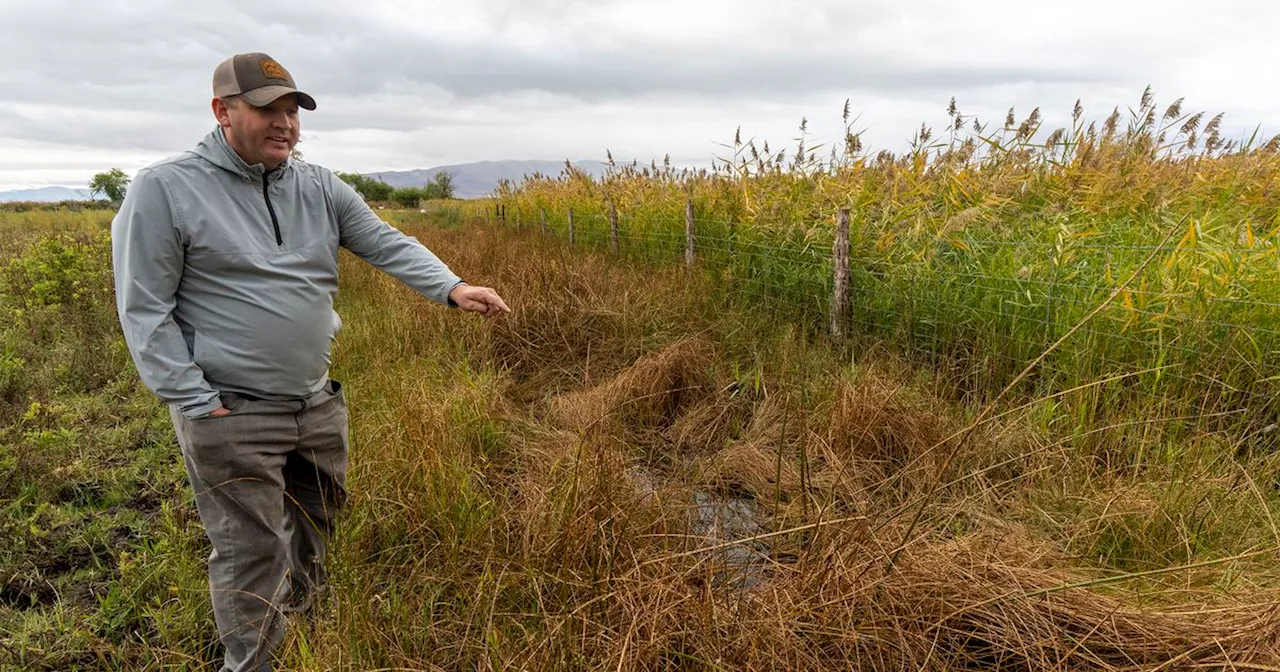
215 149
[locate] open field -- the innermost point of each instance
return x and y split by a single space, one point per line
559 488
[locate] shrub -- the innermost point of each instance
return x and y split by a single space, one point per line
368 188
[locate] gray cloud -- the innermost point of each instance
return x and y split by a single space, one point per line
442 82
141 54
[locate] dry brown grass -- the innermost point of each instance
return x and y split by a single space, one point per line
1000 602
648 394
604 565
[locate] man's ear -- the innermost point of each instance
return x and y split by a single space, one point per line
220 112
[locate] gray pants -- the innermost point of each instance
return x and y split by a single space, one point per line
269 479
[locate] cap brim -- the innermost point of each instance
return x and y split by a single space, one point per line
266 95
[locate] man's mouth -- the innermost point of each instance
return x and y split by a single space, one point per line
279 139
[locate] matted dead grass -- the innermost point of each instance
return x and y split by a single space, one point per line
649 393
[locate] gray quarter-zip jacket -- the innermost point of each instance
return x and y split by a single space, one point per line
226 273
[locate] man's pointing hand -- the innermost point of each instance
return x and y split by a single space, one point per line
481 300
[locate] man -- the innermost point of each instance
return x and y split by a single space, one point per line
226 262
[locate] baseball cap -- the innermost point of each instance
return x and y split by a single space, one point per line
257 78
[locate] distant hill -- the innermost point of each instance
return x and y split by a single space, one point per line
482 177
45 195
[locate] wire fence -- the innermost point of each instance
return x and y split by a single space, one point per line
982 309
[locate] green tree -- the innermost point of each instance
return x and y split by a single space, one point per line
441 186
367 187
111 184
408 197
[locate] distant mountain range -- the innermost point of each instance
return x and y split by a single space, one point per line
481 178
469 179
45 194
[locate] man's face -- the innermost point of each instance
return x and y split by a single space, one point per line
263 135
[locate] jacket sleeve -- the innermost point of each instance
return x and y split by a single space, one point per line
147 256
386 248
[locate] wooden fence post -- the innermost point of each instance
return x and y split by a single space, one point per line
613 228
688 232
504 213
542 219
840 293
570 226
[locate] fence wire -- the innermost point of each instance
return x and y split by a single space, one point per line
1195 344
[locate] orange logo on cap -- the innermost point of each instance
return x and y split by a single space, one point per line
273 70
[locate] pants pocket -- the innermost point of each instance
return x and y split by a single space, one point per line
232 401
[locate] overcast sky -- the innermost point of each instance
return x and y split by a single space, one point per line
402 84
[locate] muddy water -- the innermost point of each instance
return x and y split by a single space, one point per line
715 521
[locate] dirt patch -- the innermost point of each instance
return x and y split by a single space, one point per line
26 590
